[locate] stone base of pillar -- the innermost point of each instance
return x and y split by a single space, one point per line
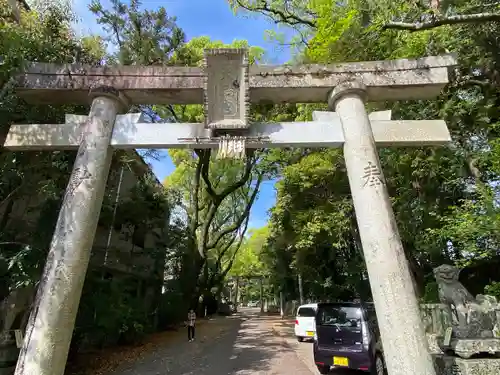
449 365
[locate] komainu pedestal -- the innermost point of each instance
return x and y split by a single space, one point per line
463 331
450 365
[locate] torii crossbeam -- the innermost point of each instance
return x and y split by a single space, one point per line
324 131
226 85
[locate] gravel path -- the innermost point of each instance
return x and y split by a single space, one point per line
240 345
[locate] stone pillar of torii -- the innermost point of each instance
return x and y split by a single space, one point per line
226 85
261 294
235 281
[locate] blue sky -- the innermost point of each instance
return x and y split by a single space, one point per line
215 19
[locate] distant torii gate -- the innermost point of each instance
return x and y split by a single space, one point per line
249 277
227 85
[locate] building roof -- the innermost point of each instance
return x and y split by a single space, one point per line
141 167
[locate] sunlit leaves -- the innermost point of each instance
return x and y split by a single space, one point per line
330 27
191 53
446 199
250 259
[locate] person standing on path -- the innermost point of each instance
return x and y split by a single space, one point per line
190 324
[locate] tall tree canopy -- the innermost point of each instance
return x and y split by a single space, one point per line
445 199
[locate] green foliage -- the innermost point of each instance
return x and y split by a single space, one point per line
249 259
493 289
330 27
32 183
216 197
473 225
19 266
191 53
144 37
431 293
445 200
111 313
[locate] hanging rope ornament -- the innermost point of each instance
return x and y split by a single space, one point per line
231 147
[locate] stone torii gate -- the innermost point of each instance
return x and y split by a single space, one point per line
227 85
236 280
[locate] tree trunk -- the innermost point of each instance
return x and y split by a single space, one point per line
189 278
6 214
301 292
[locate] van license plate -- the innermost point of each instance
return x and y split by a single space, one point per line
341 361
310 333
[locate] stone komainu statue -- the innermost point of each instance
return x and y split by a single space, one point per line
476 317
452 293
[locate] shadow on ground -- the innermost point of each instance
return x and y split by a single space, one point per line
232 346
248 348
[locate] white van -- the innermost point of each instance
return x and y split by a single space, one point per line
305 323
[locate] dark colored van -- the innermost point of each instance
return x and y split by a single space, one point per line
347 336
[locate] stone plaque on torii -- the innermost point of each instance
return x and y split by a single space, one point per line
226 85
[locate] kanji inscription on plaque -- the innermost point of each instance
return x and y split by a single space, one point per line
226 88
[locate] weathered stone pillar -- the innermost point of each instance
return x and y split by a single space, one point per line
261 296
237 293
301 291
51 323
282 309
405 346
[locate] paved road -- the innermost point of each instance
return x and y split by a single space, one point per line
240 345
285 329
